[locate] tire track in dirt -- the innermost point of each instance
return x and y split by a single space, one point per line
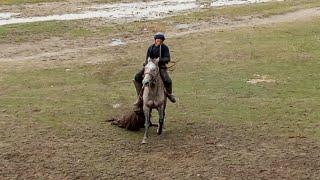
299 15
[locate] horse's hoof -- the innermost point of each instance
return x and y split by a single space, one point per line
144 142
159 130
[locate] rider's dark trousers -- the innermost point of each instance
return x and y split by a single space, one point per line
164 76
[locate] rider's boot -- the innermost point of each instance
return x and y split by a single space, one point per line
170 96
137 104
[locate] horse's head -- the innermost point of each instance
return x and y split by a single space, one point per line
151 71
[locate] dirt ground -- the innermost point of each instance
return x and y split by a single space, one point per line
208 150
211 151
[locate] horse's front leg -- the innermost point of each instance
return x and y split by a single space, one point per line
146 111
161 111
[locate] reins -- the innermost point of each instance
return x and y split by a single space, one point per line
153 77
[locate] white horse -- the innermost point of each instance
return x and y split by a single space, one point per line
154 96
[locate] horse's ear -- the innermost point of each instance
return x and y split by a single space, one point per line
157 60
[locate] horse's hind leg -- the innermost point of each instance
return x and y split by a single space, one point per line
161 111
146 111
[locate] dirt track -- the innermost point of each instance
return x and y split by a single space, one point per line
57 48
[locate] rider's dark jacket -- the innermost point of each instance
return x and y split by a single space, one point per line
154 52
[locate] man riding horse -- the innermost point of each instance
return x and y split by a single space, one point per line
161 51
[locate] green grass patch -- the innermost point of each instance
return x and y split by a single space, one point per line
43 30
217 87
268 9
210 81
37 31
234 12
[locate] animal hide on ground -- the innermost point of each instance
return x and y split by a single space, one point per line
132 121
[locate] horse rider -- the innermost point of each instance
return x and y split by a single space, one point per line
161 51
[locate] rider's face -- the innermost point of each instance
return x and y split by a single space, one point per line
157 42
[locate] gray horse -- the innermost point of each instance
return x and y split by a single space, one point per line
154 96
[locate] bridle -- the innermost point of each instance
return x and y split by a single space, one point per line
153 79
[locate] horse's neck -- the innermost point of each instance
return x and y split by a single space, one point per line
159 85
158 89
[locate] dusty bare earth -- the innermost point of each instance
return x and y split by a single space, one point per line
209 151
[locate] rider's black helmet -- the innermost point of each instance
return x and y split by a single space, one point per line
159 35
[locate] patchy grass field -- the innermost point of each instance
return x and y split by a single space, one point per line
260 10
94 28
15 2
52 118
